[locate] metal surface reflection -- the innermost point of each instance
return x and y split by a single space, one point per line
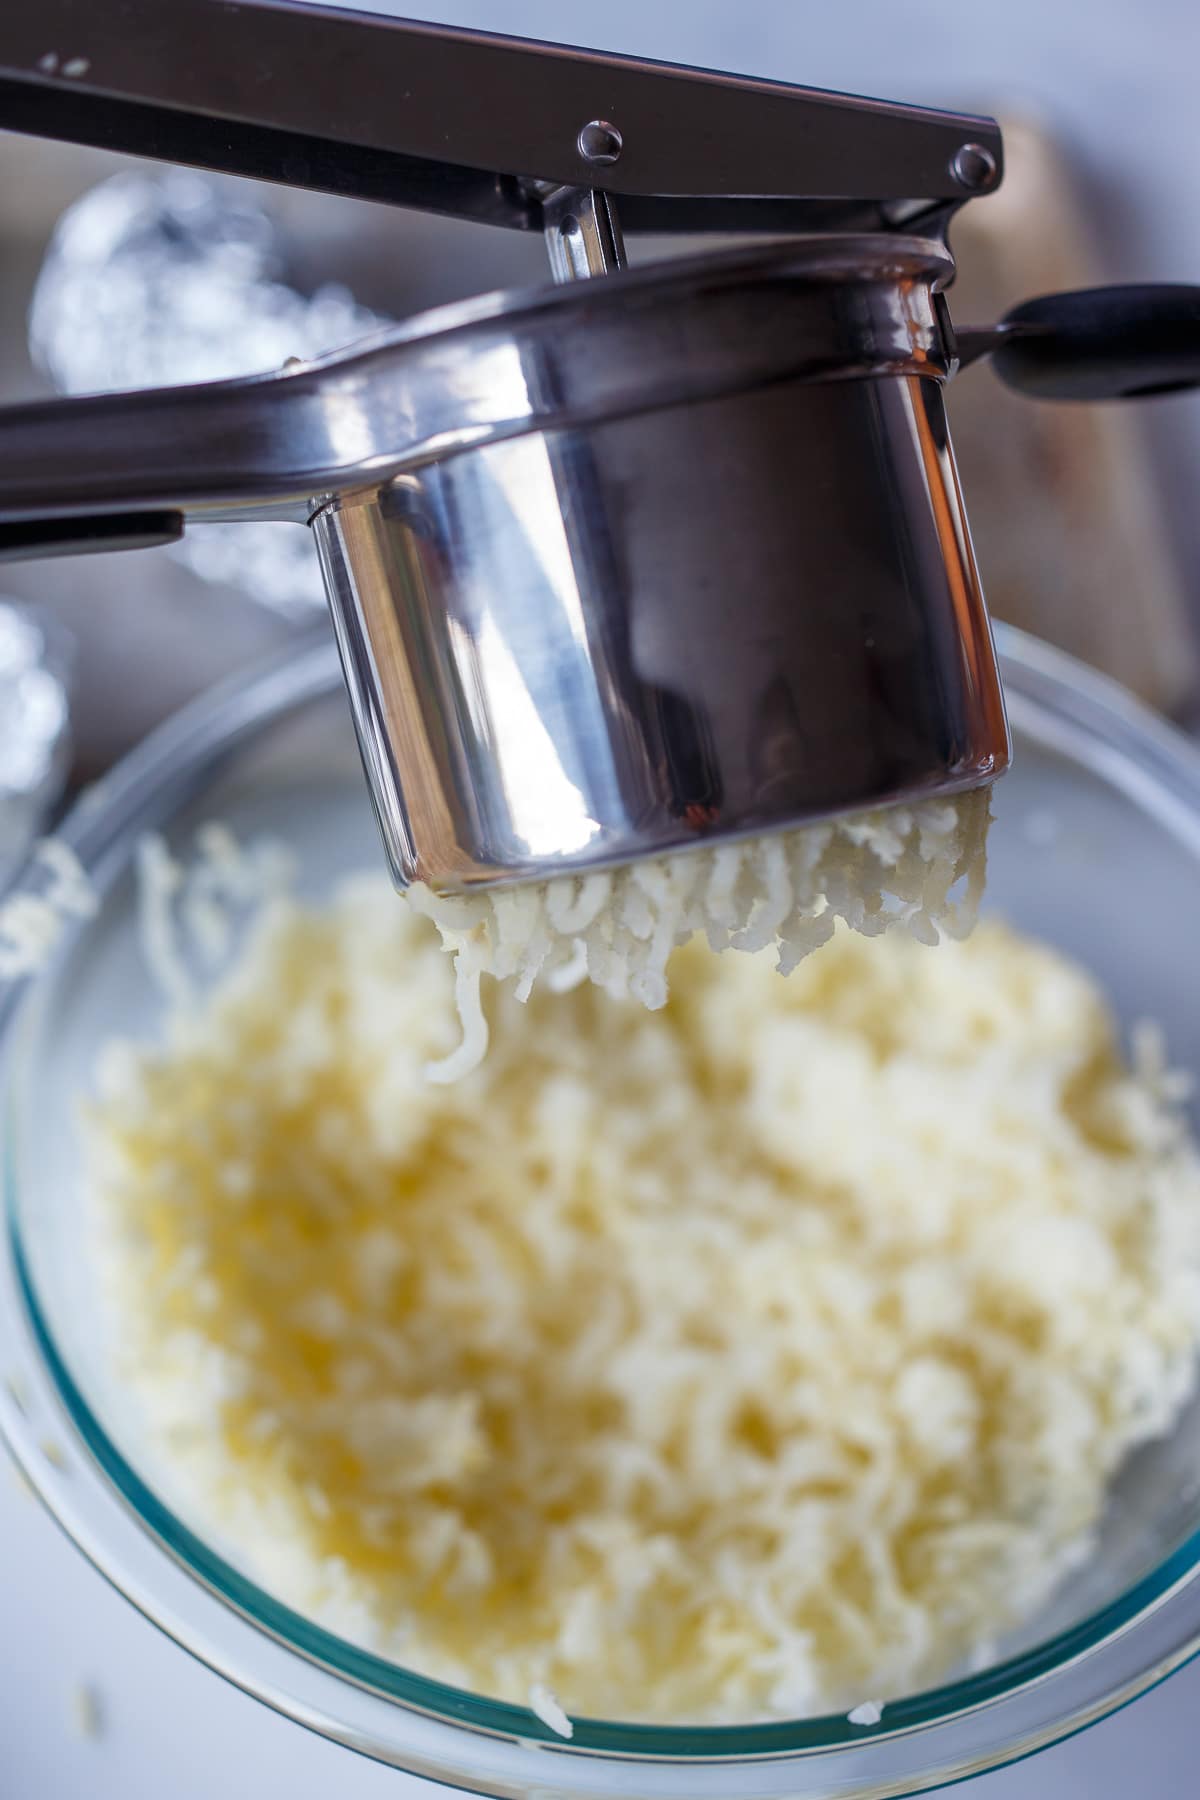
606 642
615 568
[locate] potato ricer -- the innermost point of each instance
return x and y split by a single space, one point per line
644 558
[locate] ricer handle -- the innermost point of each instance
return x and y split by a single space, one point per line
1109 343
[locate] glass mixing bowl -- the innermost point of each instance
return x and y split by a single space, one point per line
1096 848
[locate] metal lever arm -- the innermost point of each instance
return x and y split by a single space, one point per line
467 123
259 447
478 372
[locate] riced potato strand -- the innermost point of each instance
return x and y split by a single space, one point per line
918 869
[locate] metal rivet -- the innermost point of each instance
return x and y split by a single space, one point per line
973 167
600 142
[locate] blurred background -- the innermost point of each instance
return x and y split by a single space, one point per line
1087 526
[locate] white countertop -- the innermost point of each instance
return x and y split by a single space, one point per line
168 1727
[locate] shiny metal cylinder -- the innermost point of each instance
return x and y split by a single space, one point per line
611 636
616 567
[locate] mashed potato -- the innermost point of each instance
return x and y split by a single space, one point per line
916 868
733 1360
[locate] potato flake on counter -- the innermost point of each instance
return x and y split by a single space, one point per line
722 1362
20 1480
87 1711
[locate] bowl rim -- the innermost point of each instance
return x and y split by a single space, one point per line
372 1705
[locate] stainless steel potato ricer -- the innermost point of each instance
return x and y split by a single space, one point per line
651 557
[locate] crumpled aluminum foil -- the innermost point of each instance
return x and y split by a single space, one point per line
156 279
35 746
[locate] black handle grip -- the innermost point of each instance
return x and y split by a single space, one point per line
1102 343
